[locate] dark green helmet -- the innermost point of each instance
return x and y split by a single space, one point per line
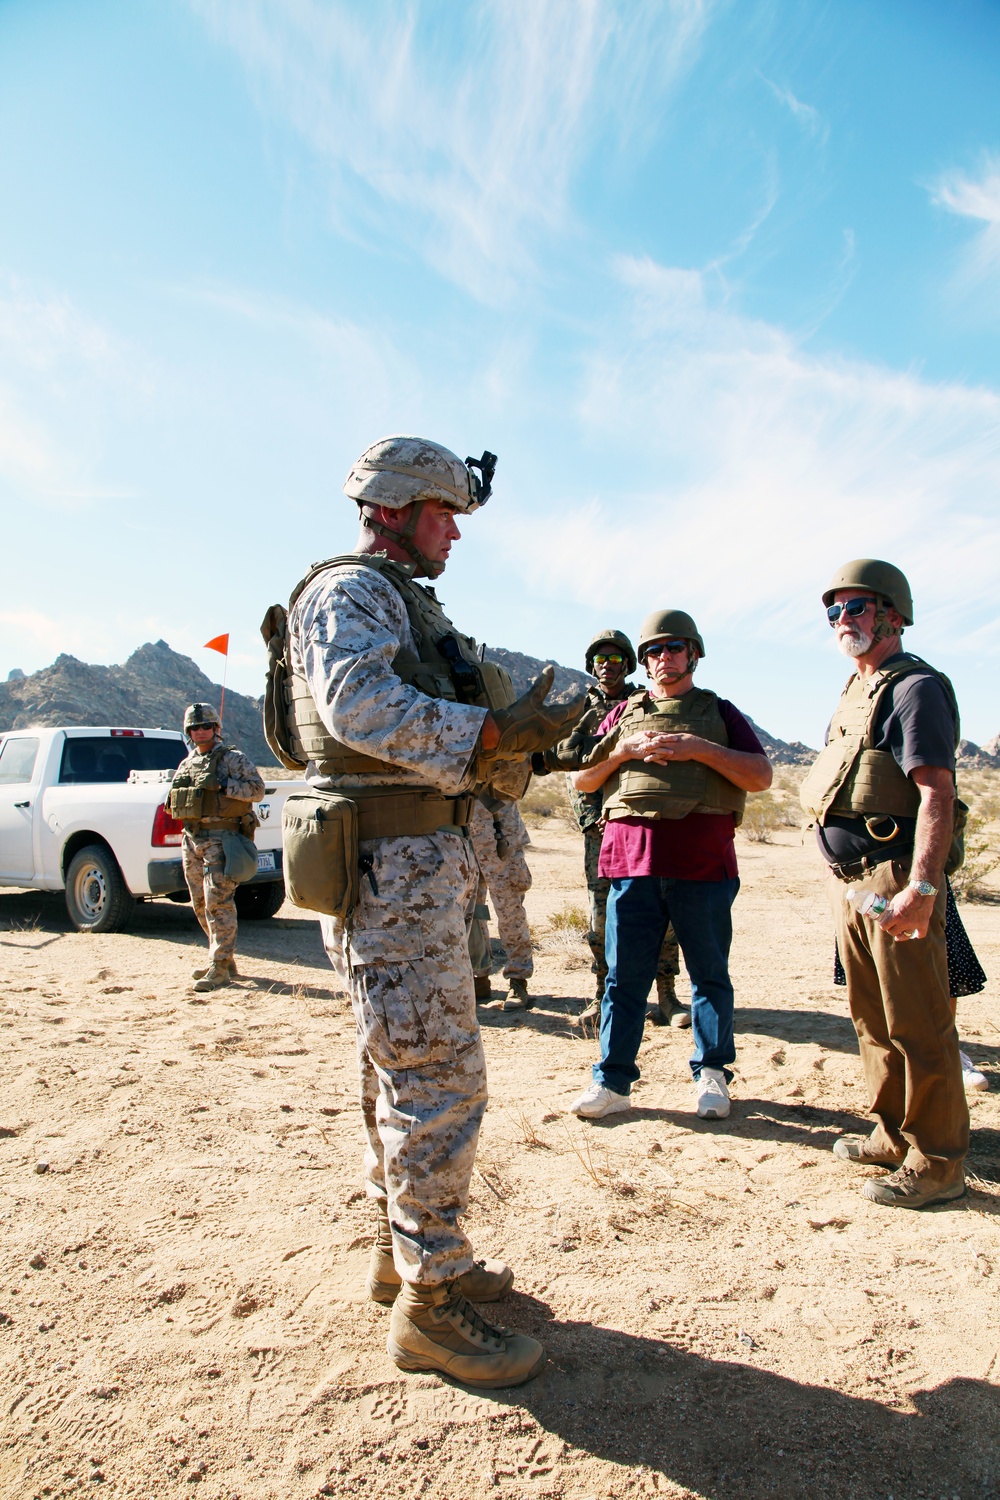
877 578
197 714
619 640
668 622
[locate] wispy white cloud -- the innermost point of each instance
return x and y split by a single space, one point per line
977 198
804 114
460 129
750 468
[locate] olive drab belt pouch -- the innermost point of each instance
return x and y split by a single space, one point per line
241 856
320 839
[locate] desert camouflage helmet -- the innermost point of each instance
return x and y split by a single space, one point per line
616 638
197 714
877 578
395 471
669 622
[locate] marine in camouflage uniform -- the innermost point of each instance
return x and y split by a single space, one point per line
403 952
611 687
499 839
202 852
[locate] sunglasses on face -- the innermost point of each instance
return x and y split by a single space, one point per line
672 648
853 609
602 661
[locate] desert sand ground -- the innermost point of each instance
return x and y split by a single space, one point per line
185 1237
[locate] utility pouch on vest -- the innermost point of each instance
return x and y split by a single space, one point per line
241 857
956 854
320 838
185 802
274 629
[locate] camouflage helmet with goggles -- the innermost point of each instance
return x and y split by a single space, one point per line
617 640
667 623
875 577
200 715
397 472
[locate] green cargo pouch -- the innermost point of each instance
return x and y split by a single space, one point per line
184 802
320 839
241 857
956 854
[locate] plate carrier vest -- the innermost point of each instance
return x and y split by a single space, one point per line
446 665
195 799
850 778
640 789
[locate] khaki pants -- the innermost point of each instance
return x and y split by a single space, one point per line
898 995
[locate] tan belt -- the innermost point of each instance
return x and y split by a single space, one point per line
398 812
212 825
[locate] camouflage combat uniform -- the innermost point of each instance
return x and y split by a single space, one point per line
499 840
204 860
587 808
404 958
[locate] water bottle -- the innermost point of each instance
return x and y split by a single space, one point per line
866 903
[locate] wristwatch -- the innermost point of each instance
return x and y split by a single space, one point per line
923 888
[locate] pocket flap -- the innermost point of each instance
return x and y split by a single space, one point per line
380 945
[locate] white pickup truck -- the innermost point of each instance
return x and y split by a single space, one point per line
82 811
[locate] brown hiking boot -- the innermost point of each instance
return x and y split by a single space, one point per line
861 1150
909 1189
487 1281
667 1011
436 1328
217 976
517 997
202 972
484 987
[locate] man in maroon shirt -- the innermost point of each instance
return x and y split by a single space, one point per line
675 764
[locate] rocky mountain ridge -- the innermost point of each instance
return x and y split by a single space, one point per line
152 688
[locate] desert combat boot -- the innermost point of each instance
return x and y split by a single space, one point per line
202 973
487 1281
668 1010
436 1328
216 976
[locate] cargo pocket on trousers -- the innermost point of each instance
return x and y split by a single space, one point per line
389 983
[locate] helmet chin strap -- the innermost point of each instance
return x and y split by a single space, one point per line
405 539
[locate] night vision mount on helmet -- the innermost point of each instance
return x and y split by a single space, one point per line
198 714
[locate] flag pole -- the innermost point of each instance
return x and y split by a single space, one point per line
222 706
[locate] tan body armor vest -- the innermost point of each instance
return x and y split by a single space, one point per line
195 797
850 778
446 665
640 789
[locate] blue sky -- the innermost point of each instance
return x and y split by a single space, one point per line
719 280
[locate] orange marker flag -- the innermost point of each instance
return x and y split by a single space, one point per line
220 643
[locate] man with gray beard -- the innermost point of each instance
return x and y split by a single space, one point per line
882 794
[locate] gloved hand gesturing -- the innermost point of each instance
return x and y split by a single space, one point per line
530 724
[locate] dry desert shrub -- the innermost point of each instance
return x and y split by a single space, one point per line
546 797
982 857
764 814
570 919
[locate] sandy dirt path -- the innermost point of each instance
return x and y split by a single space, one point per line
183 1235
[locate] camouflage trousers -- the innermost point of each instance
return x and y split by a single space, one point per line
212 894
507 879
420 1055
598 890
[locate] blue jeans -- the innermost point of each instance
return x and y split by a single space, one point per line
639 910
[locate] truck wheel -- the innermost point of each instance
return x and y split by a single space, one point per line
97 898
255 902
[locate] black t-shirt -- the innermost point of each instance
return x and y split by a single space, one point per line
916 723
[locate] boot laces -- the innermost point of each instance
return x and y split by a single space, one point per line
460 1312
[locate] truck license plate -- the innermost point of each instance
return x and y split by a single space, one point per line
265 860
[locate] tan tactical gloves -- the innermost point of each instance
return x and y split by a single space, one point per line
529 724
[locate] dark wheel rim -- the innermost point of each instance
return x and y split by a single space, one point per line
90 892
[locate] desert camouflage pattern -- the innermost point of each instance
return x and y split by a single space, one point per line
344 632
420 1056
405 961
507 877
598 890
212 896
237 774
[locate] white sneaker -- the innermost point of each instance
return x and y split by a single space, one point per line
712 1094
972 1078
597 1101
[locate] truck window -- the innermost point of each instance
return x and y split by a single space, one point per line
17 761
100 759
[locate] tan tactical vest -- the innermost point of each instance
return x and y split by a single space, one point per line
446 665
195 796
642 790
851 779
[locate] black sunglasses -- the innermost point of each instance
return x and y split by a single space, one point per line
854 608
673 648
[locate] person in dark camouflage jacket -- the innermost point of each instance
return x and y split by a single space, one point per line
610 658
